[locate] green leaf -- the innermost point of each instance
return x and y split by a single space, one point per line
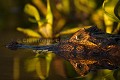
69 31
29 32
86 6
40 5
66 6
46 29
117 10
32 11
108 7
110 14
49 16
35 21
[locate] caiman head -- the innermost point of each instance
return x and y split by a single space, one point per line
89 49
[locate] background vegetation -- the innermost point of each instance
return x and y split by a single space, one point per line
51 19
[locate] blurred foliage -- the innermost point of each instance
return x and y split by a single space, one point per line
111 14
59 17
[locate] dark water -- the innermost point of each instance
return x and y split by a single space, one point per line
7 61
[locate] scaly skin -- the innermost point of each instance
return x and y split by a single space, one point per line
89 49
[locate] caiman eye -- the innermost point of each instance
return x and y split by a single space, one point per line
79 37
79 66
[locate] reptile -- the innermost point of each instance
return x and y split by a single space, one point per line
89 49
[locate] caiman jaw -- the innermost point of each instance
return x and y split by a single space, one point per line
16 45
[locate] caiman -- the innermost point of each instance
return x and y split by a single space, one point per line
89 49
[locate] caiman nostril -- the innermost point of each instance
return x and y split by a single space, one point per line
13 45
